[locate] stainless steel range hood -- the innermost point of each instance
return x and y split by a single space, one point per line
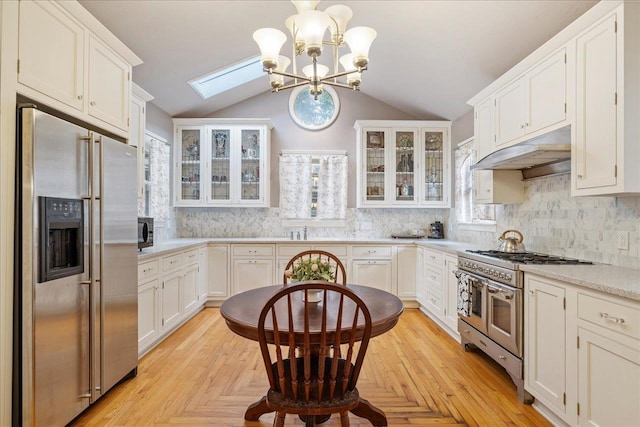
547 154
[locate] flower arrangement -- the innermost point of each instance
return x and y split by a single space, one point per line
311 269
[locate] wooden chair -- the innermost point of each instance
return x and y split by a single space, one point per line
323 256
307 376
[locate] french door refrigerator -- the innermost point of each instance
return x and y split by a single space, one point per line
76 270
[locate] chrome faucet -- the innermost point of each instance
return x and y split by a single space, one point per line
305 232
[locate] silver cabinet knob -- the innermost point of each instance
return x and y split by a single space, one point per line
93 103
79 97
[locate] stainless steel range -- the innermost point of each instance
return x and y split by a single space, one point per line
491 306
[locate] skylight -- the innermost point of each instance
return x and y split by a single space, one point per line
227 78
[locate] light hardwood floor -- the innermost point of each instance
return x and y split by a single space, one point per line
205 375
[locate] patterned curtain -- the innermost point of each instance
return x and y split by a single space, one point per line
332 187
295 186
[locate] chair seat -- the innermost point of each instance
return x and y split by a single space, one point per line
284 401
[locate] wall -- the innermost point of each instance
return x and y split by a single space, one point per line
341 135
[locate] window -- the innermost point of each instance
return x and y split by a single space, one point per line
467 211
227 78
313 188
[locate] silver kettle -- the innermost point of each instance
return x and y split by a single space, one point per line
511 244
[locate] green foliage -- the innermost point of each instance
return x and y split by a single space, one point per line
311 269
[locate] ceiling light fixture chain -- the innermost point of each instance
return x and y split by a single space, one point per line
308 28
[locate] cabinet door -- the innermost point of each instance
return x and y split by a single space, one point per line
189 169
451 291
203 274
483 128
374 165
435 184
406 272
547 93
421 286
404 155
170 299
251 175
51 53
251 273
596 112
373 273
219 140
510 113
608 381
148 315
189 285
545 340
109 85
137 138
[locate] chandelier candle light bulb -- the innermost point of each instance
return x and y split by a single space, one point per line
308 28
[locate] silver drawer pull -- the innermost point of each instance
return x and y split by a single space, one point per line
502 357
612 319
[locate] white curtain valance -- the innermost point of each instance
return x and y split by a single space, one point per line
297 186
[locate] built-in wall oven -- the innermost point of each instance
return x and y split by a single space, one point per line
491 306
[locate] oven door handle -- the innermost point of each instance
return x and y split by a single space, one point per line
494 290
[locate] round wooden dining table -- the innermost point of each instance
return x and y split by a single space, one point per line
241 313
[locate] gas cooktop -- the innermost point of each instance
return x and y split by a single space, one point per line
528 257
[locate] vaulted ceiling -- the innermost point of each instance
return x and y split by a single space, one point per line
429 58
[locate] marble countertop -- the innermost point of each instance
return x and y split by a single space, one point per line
614 280
449 246
611 279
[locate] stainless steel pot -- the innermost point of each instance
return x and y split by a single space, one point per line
511 244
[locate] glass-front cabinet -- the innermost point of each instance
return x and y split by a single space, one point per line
225 168
403 163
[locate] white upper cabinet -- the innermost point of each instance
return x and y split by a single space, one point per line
492 186
70 62
403 163
52 58
533 102
221 162
606 150
109 85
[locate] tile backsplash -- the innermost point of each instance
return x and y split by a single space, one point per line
550 219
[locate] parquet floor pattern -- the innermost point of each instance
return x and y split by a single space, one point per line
205 375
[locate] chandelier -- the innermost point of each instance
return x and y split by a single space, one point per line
308 30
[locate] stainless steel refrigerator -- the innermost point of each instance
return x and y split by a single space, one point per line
76 272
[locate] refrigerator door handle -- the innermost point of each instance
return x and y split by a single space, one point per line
100 197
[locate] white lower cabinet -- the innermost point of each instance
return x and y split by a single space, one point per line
170 299
451 287
218 272
582 352
406 266
545 369
252 266
148 314
168 294
372 266
437 287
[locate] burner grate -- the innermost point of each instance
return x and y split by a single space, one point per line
529 257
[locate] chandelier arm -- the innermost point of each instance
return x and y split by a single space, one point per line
342 85
292 85
332 76
294 76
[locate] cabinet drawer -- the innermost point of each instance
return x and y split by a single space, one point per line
340 250
253 250
291 250
433 275
611 315
191 256
371 252
434 257
148 269
172 261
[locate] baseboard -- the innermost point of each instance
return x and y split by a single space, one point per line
454 334
548 414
